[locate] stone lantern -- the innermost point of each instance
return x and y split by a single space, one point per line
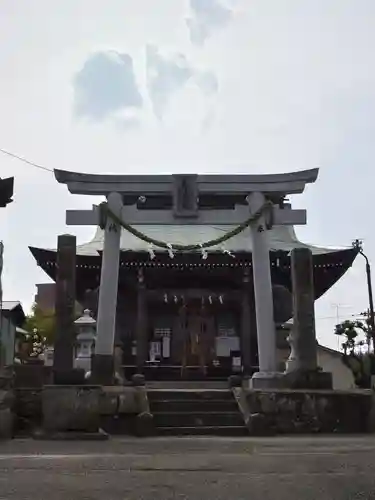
86 328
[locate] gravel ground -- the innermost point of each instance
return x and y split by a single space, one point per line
194 468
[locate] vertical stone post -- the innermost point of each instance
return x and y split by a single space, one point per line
302 337
266 333
65 306
302 370
141 328
246 324
103 362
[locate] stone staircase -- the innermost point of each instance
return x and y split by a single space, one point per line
195 411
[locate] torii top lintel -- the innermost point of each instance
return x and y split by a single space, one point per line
103 184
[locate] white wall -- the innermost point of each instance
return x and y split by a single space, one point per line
342 376
331 362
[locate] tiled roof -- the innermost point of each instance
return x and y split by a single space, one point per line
9 305
280 237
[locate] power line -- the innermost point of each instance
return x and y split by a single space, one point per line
46 169
24 160
356 316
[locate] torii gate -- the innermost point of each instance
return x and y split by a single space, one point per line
185 190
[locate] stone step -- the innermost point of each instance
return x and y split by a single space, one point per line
232 431
183 405
198 419
189 394
162 372
188 384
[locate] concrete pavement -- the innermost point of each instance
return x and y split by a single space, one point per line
300 468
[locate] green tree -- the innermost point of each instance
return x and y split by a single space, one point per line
42 323
361 363
41 328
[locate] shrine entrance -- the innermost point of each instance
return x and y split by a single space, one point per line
193 337
257 205
190 334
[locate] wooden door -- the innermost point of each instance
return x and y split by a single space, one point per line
194 332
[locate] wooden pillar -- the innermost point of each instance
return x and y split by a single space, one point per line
246 324
65 305
141 326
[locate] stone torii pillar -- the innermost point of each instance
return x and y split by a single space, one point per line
103 359
267 376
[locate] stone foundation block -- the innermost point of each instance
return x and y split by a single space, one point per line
6 378
144 425
267 380
32 376
28 410
71 408
259 424
6 423
306 411
102 369
119 400
74 376
138 380
42 435
7 419
371 415
142 400
313 379
235 381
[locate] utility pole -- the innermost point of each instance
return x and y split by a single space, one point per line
358 245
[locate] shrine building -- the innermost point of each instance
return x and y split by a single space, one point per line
163 291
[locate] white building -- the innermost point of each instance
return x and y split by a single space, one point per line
12 316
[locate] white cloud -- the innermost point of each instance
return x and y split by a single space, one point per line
207 82
104 85
168 74
206 17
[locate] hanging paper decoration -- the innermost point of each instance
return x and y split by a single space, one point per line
203 252
228 252
151 251
170 251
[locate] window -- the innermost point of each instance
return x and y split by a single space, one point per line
160 332
226 325
225 331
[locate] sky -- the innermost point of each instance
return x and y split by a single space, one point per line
206 86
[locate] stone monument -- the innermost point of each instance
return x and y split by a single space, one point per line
302 366
65 308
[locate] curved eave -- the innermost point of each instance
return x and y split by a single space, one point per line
328 267
308 176
101 184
